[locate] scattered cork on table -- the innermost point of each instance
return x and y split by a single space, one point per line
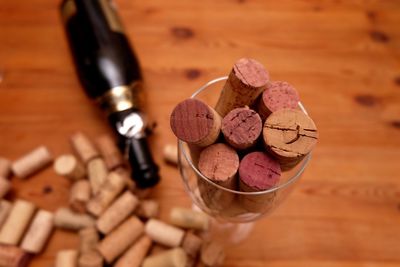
97 173
67 258
38 232
67 219
17 222
31 162
5 167
5 208
164 233
107 192
79 195
192 244
170 153
189 219
5 186
135 255
84 147
171 258
68 166
120 239
115 214
12 256
110 152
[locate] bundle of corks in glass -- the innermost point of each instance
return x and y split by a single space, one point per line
117 222
255 132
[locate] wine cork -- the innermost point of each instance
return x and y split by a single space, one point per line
212 254
65 218
289 135
83 147
17 222
171 258
38 232
97 173
89 239
114 244
79 195
258 172
88 255
157 249
90 259
68 166
277 96
241 127
5 167
245 83
110 152
117 212
163 233
192 244
148 208
134 256
67 258
170 154
192 262
189 219
5 186
196 123
12 256
32 162
219 163
130 183
110 189
5 208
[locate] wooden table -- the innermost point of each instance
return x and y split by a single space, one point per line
343 57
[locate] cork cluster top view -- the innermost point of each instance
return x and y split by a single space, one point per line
256 131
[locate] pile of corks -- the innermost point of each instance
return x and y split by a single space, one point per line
255 132
116 222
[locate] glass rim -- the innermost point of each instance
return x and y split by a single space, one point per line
291 180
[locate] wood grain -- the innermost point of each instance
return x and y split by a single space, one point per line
342 56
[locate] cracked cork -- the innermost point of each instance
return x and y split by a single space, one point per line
241 127
289 135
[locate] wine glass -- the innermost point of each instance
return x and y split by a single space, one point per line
232 215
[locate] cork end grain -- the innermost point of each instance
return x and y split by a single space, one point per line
280 95
250 72
290 134
258 171
192 121
241 127
219 162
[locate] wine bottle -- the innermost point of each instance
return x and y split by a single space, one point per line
110 74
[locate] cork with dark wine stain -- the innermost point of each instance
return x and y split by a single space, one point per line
277 96
196 123
258 172
247 80
219 163
241 127
289 135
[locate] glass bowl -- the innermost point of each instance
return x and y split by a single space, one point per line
221 203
